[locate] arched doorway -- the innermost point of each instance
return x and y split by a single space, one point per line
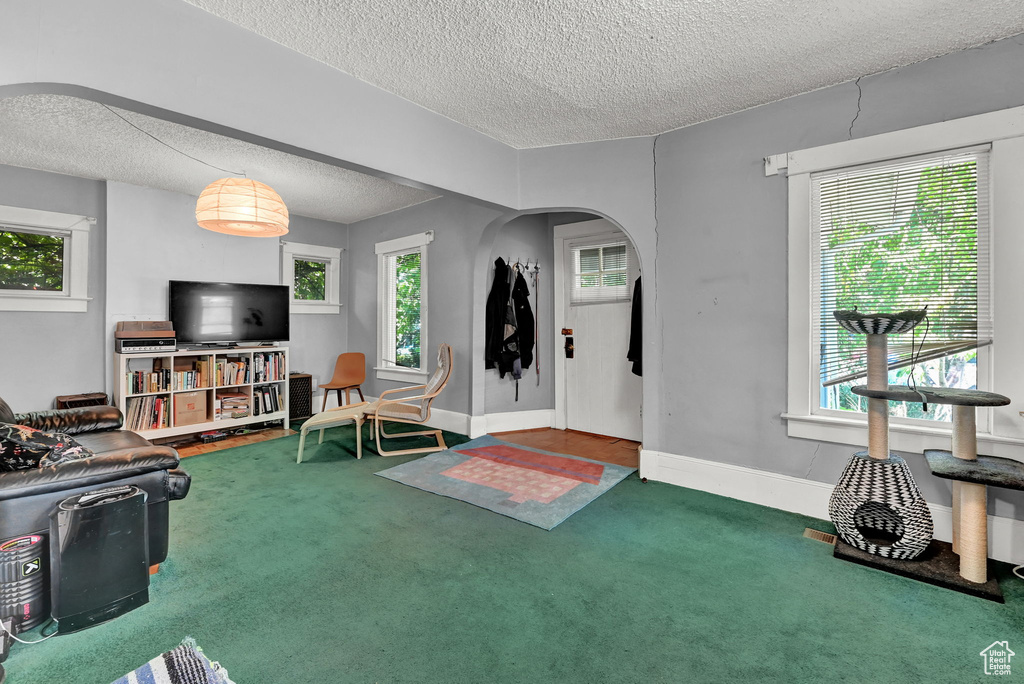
493 408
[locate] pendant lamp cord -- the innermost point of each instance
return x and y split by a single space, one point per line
145 132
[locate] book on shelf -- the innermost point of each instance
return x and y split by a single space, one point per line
232 371
147 413
141 382
267 366
192 372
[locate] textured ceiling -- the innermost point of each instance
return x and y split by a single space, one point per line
82 138
545 72
526 72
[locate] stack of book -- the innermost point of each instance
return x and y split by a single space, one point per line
231 405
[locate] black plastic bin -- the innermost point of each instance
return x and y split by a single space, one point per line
99 557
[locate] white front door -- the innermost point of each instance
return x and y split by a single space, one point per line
600 393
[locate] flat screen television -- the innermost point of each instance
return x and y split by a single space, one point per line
227 313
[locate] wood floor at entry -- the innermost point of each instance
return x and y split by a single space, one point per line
621 452
595 447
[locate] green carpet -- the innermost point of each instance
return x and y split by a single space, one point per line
321 572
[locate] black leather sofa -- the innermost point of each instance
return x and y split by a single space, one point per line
121 457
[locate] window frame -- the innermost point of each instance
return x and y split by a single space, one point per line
331 256
74 229
600 294
1000 430
385 368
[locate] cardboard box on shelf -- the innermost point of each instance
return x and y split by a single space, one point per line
190 408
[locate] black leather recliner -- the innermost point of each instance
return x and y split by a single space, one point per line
122 458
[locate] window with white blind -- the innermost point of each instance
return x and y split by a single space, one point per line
402 307
926 216
602 272
894 236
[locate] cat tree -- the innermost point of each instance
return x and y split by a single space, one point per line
876 492
964 564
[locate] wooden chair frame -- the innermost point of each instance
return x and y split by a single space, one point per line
378 421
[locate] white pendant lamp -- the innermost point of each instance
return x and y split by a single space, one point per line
242 206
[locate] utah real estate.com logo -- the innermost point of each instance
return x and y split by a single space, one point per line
997 658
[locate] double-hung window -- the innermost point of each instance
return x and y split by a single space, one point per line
903 220
44 260
402 307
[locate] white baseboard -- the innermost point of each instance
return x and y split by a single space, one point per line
453 421
475 426
807 497
519 420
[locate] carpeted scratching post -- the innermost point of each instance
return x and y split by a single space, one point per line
876 494
877 491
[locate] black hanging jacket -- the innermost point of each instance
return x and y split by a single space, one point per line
524 320
635 353
497 305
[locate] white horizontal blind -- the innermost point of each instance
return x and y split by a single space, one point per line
896 236
602 272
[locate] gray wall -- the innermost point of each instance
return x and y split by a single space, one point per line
458 227
47 354
154 238
613 179
724 226
527 237
317 339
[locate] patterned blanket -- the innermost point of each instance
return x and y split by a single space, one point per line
185 664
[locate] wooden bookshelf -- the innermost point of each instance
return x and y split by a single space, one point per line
165 394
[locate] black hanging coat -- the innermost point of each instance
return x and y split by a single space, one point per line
635 353
524 322
509 323
497 305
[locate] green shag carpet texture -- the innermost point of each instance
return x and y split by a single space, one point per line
322 573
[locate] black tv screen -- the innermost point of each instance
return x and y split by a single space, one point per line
220 313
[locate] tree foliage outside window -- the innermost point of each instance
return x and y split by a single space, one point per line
407 310
310 280
31 261
880 264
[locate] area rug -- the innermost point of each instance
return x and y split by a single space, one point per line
185 664
537 487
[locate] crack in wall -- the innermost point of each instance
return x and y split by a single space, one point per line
811 464
860 93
